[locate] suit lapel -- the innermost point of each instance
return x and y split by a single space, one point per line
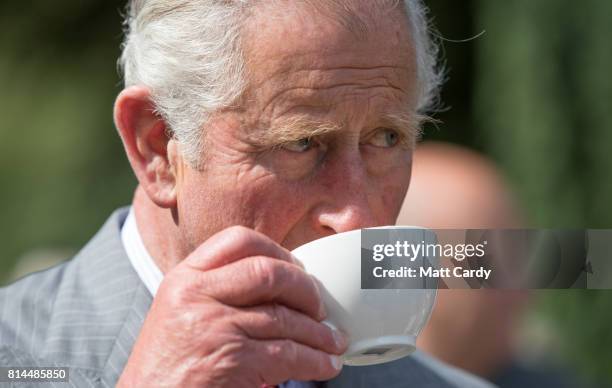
100 306
127 336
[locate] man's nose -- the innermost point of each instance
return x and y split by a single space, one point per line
350 217
348 205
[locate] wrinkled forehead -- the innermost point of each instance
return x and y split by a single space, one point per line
357 27
341 36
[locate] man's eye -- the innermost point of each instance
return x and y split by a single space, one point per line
301 145
385 137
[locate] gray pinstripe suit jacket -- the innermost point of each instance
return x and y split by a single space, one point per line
87 313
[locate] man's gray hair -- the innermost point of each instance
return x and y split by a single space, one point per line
188 53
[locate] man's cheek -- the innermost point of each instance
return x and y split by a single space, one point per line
392 198
277 208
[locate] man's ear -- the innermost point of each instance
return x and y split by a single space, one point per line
146 143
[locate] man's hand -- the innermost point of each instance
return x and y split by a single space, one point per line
238 312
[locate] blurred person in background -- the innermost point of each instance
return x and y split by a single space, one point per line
455 188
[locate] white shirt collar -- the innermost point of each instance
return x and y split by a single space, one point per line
140 258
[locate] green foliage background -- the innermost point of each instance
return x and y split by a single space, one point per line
61 164
533 92
542 105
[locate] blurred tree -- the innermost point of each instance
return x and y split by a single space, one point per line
61 162
454 28
542 105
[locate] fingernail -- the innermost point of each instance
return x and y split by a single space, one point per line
336 362
339 338
322 312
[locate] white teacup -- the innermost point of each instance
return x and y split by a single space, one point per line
382 324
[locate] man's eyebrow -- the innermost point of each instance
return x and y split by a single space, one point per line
290 130
300 127
408 124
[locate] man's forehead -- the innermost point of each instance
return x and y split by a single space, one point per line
300 59
360 17
279 39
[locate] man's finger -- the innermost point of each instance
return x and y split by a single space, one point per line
260 280
233 244
282 360
274 321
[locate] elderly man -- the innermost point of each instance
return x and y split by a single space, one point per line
252 127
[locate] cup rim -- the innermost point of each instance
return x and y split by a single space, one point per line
351 232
